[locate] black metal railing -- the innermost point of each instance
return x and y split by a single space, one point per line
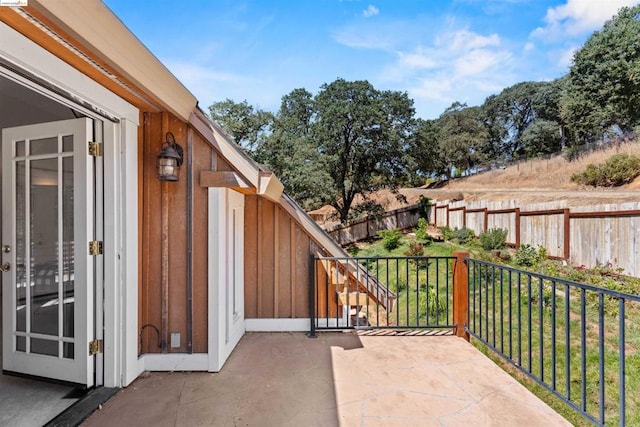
382 293
579 342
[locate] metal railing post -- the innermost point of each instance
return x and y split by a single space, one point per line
312 296
461 294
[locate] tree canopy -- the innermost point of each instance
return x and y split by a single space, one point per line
247 125
361 133
603 90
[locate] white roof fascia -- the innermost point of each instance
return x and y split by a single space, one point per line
98 29
237 158
315 231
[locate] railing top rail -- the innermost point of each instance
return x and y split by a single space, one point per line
608 292
356 258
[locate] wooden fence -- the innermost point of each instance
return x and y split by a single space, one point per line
589 235
366 228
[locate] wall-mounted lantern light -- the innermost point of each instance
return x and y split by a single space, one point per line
169 159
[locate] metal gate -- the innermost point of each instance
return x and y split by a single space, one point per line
382 293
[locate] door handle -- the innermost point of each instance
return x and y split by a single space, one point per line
5 267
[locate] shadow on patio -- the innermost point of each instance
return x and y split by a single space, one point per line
341 379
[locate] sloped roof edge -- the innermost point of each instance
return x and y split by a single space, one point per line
99 29
312 228
251 170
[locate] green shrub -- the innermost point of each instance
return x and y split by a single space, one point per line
543 253
460 235
397 284
390 239
415 249
435 303
496 238
573 153
463 235
353 250
618 170
421 230
447 233
526 256
534 298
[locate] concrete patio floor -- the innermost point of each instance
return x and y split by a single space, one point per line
338 379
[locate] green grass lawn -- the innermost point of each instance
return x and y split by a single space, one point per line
532 326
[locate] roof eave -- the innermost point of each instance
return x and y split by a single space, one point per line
97 28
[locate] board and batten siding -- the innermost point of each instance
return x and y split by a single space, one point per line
277 262
277 248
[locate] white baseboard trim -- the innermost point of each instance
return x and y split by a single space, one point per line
277 325
176 362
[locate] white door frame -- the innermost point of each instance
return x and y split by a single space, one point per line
226 274
121 364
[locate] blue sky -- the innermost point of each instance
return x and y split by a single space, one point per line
438 51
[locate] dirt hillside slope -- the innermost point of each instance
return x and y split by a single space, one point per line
536 181
544 180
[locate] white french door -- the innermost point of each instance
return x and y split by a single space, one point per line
48 219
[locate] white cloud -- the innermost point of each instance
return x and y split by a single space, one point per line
460 65
353 37
466 40
578 17
479 61
528 47
418 59
370 11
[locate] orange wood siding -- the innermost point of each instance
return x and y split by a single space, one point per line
151 284
276 262
202 155
276 248
150 303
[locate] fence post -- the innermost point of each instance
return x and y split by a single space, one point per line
461 294
566 253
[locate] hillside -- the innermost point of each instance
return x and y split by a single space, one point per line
534 181
544 180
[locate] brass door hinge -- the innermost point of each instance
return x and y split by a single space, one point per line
95 149
95 347
95 247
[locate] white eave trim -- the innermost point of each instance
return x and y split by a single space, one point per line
310 226
98 29
228 149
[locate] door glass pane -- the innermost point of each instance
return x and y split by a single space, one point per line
21 344
43 200
67 143
43 146
21 270
67 350
67 247
48 347
20 148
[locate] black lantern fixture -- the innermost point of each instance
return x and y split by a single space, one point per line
169 159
